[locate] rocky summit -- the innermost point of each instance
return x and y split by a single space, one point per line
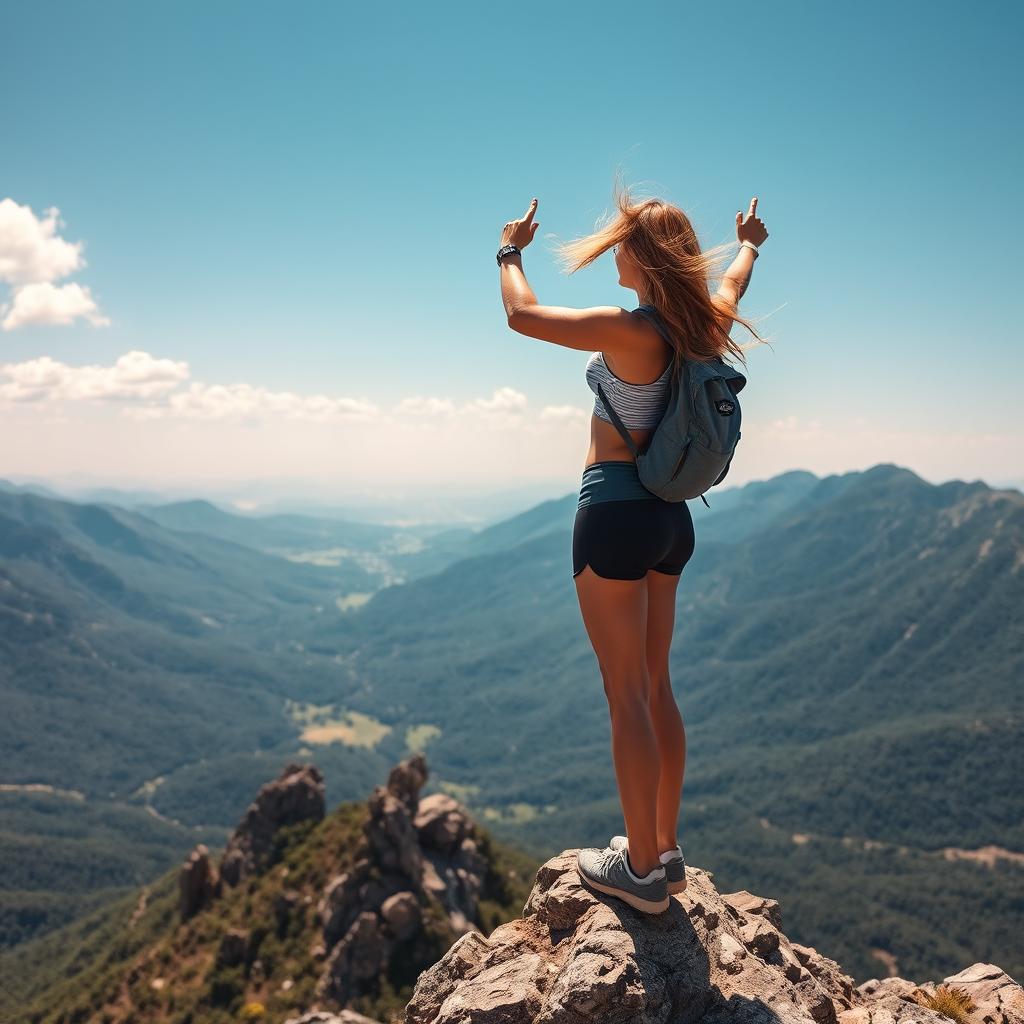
574 957
402 910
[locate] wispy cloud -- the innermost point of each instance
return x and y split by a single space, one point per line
504 405
246 402
152 388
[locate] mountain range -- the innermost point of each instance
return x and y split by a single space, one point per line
847 659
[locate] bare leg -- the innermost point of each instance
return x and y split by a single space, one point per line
634 748
671 735
615 616
667 721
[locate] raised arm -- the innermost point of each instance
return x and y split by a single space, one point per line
734 283
594 329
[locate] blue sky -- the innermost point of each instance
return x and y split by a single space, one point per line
306 199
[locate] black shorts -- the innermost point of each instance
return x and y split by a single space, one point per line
623 537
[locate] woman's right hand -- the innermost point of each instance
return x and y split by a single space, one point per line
750 228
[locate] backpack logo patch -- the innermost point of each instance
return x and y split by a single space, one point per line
725 407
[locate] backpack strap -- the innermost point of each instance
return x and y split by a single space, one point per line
650 313
716 367
619 425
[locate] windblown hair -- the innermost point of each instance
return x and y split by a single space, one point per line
659 238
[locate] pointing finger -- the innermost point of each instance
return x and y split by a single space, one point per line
530 211
753 207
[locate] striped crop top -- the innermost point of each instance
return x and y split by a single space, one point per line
639 405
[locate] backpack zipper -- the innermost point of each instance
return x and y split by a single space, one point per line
682 458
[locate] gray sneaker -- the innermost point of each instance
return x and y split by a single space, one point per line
675 869
605 870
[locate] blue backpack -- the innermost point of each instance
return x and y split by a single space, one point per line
694 442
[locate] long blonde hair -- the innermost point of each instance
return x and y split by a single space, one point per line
660 240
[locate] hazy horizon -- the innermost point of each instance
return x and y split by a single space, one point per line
454 505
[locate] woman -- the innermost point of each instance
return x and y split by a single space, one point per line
630 546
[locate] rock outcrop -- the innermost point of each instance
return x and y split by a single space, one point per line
296 795
574 957
453 869
198 882
412 885
418 858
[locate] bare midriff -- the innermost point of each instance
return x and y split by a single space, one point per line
607 445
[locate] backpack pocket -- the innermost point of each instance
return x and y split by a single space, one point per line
682 459
699 468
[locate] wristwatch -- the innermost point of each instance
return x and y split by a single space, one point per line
507 250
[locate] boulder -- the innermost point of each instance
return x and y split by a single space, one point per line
441 822
402 915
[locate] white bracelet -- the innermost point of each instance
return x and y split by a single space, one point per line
750 245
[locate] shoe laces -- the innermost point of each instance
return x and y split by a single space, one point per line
621 854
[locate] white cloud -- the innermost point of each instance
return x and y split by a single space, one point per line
504 404
505 407
30 248
32 256
134 375
46 303
566 413
426 407
149 388
245 402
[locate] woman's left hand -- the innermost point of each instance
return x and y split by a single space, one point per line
521 232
